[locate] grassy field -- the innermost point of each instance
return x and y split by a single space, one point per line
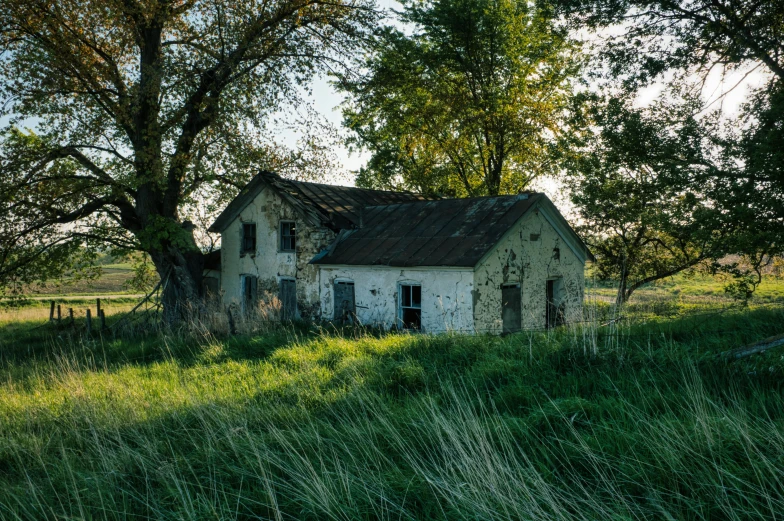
111 281
638 419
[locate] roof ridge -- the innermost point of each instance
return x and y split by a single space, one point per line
422 201
407 192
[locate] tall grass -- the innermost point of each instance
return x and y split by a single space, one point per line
629 422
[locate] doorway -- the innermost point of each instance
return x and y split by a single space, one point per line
345 308
554 309
288 299
511 308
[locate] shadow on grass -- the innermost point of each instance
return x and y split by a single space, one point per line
408 426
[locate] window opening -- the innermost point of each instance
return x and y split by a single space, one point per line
411 306
288 236
248 238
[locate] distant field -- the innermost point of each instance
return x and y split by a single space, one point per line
688 289
112 281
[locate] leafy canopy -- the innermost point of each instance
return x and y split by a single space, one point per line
143 110
466 100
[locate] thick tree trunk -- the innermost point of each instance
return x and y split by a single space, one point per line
180 269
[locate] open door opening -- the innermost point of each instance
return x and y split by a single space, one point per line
554 311
511 308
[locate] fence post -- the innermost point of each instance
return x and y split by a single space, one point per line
102 316
59 314
98 307
51 311
70 315
89 321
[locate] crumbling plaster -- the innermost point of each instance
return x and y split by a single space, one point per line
446 295
268 263
519 259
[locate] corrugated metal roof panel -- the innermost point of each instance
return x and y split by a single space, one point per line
447 232
337 207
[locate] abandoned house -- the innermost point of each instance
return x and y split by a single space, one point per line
398 260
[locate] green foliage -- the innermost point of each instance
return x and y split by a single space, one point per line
465 101
733 164
144 277
141 110
634 184
295 424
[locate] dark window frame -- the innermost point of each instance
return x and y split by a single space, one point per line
248 241
409 306
288 241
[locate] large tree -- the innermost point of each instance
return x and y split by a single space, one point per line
139 108
465 100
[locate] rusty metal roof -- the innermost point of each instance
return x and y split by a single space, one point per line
447 232
337 207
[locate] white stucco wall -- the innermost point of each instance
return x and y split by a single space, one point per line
268 263
518 259
446 295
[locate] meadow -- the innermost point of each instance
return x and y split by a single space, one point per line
638 418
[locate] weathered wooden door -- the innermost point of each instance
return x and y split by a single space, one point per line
511 308
250 293
345 307
288 299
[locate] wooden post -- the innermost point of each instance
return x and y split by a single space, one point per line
102 316
70 315
51 311
89 321
98 307
59 314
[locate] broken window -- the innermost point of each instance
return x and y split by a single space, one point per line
250 292
288 239
344 302
511 308
248 244
411 306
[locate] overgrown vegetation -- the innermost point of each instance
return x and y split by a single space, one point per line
627 421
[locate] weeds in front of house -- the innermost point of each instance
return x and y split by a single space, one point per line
623 421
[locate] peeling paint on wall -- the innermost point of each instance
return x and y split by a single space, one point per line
268 263
526 256
446 295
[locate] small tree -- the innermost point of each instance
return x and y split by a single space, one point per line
641 214
141 108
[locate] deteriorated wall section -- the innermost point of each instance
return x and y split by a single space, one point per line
446 295
530 254
268 263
